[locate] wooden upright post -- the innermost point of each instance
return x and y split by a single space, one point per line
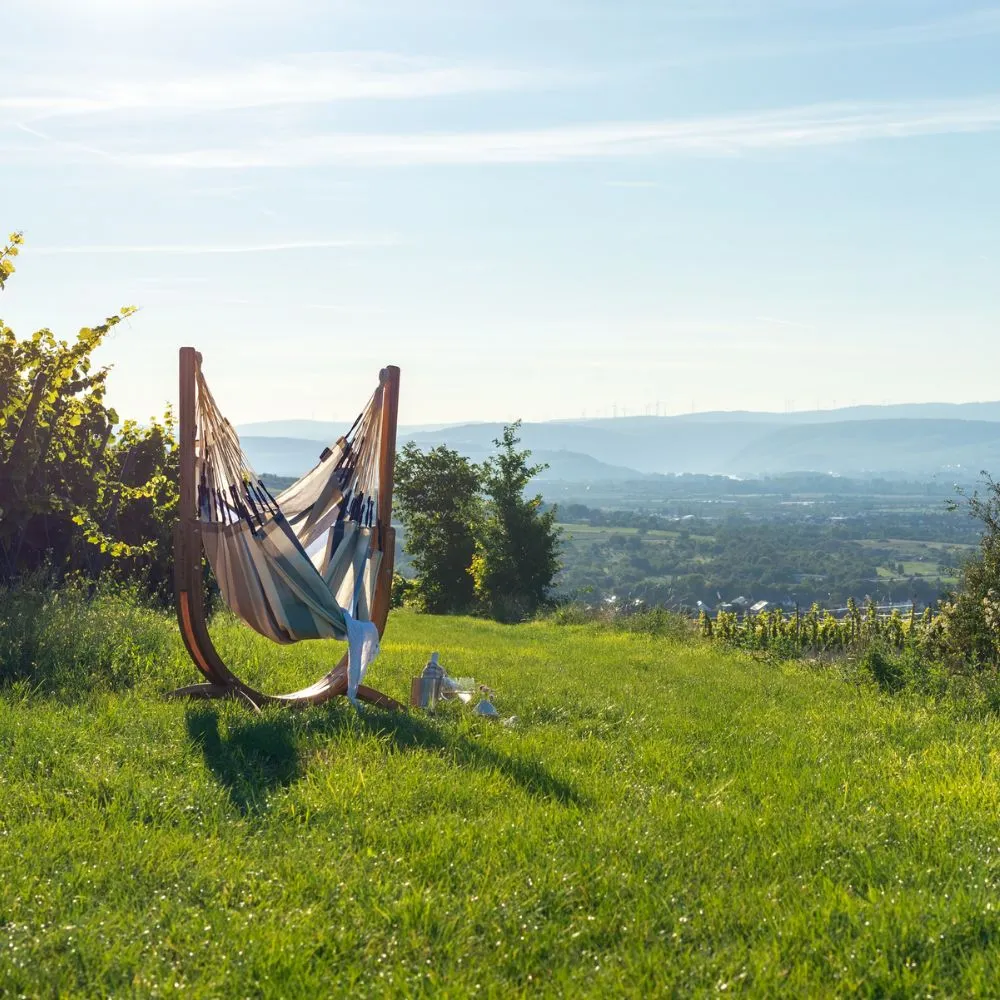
187 543
187 538
386 473
188 420
387 446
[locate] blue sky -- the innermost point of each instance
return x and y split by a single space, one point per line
539 209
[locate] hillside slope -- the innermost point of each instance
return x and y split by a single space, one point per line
659 820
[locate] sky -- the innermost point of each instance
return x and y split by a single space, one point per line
536 208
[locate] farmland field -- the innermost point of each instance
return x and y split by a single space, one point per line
788 562
656 818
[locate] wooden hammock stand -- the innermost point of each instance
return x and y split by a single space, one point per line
220 681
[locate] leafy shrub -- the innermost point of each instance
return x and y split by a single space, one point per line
571 613
642 620
78 493
656 621
405 593
71 643
884 669
968 632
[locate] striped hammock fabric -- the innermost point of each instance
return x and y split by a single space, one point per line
304 564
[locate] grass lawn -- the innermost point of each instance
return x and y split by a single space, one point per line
660 820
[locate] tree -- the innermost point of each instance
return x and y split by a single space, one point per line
970 621
74 496
437 501
517 540
7 255
130 534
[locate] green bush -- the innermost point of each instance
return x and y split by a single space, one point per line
79 494
968 634
71 643
884 668
643 621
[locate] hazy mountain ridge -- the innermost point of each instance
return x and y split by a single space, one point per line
988 410
316 430
662 447
282 456
872 446
330 430
721 444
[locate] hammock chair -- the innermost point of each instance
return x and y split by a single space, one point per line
313 562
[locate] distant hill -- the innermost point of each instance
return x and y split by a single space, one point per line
293 456
282 456
572 467
870 446
892 411
314 430
906 447
663 446
912 440
326 430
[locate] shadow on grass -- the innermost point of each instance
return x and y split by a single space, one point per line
406 731
258 756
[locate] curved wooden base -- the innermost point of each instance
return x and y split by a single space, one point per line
256 700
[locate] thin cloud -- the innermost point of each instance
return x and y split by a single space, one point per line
320 78
245 248
817 125
65 144
791 324
172 290
632 184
